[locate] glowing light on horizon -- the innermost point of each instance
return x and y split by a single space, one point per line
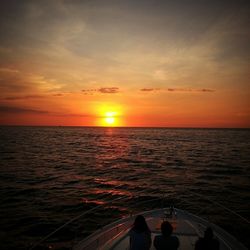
110 118
109 115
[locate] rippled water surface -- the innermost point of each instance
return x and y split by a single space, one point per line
50 175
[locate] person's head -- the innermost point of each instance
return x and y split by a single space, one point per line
140 224
166 228
208 234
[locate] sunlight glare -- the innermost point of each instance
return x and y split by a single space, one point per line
110 115
110 118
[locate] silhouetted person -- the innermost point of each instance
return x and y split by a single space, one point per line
208 242
140 234
166 241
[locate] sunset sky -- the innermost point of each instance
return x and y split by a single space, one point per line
125 63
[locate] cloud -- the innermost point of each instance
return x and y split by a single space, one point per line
189 90
89 91
14 110
148 89
177 90
25 97
13 98
19 110
73 115
112 90
107 90
207 90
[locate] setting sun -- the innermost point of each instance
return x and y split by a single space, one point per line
110 119
109 115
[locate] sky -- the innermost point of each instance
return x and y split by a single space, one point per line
149 63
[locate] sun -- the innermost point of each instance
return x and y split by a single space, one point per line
110 118
109 115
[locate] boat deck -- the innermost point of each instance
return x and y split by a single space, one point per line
184 231
187 227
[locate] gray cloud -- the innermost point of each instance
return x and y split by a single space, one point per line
20 110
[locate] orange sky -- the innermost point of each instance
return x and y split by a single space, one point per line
170 64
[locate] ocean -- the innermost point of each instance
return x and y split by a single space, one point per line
50 175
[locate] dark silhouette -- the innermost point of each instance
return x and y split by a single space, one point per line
166 240
140 234
208 242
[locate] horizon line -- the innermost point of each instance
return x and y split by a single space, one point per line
144 127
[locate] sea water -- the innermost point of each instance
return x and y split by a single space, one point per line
50 175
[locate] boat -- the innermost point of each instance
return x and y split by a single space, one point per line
187 227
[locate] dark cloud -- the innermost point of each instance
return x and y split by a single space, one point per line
147 89
26 97
20 110
73 115
88 91
4 109
177 90
171 89
207 90
189 90
13 98
112 90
